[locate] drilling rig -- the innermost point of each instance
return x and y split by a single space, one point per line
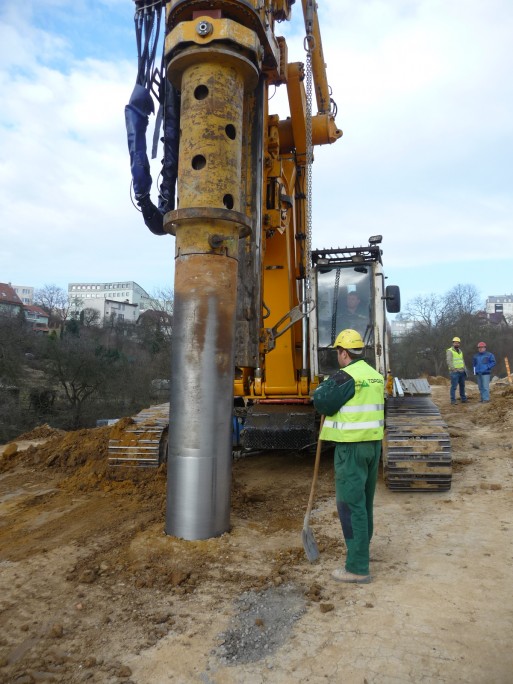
248 310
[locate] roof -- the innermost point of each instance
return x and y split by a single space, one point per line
114 285
36 309
8 295
495 318
498 299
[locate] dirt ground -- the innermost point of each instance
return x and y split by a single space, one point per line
92 590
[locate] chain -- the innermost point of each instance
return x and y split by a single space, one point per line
309 44
335 306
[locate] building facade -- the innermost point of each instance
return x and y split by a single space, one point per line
127 291
115 311
110 311
501 304
121 301
25 293
399 328
37 318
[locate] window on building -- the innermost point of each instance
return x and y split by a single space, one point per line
499 308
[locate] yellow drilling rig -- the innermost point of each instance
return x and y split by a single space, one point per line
255 308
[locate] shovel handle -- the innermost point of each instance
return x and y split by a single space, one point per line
316 472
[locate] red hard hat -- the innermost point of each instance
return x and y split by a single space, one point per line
481 344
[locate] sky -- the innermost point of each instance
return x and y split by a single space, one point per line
424 91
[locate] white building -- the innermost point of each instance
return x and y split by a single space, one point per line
502 304
123 292
398 328
123 301
25 293
115 311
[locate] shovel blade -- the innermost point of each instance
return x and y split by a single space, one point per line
309 544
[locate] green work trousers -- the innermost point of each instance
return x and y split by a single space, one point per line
356 472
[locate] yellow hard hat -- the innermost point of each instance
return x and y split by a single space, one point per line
456 339
349 339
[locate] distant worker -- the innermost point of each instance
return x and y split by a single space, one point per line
352 400
483 363
355 315
457 370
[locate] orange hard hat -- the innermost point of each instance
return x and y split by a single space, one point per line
481 344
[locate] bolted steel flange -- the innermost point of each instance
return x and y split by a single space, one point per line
204 28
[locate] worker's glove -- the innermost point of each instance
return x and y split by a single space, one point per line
340 377
330 395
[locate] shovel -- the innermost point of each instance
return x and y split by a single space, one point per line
309 543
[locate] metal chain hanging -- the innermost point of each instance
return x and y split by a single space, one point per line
309 45
335 307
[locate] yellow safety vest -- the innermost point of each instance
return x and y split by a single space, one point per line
457 358
362 418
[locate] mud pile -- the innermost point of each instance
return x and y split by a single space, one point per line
499 411
438 380
81 458
39 432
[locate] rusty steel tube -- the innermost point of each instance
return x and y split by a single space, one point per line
207 226
199 456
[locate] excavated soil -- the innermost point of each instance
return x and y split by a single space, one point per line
91 590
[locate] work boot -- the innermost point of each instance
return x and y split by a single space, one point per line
453 402
341 575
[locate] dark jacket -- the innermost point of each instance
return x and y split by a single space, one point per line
483 363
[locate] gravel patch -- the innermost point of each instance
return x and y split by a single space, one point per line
262 624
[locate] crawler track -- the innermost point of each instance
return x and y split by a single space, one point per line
417 448
144 443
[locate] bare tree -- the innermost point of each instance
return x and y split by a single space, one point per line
462 300
90 317
430 310
156 323
13 336
55 301
83 369
438 319
163 299
51 298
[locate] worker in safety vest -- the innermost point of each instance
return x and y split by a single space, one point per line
457 370
353 402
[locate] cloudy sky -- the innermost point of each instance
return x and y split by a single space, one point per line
424 90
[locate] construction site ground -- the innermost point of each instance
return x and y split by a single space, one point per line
91 590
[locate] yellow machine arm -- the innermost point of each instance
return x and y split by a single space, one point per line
279 369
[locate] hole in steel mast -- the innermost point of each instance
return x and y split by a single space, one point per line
228 201
199 162
201 92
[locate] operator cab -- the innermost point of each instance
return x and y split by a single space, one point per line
343 301
349 292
